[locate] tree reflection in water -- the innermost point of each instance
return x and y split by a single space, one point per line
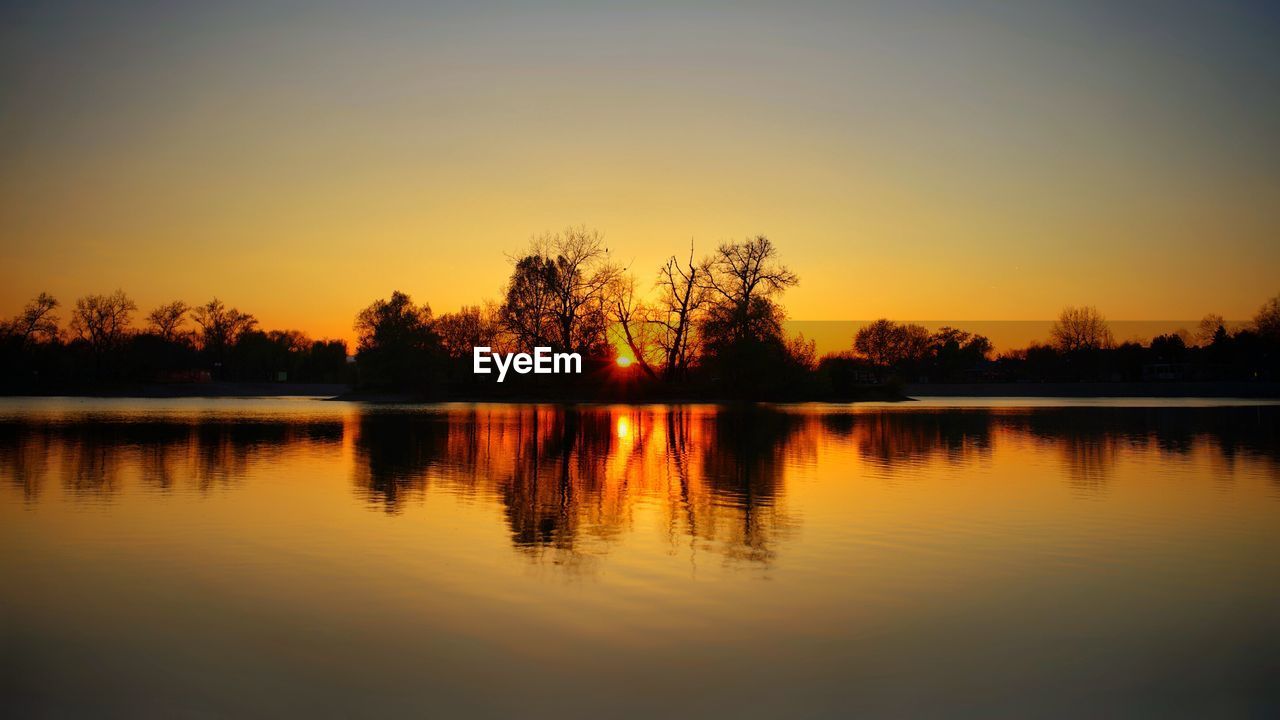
571 481
569 475
93 457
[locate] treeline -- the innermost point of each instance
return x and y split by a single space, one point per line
1081 348
703 328
706 328
101 347
713 328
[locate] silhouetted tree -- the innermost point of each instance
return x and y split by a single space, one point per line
627 313
30 345
558 294
397 345
892 345
1267 321
1220 336
955 351
1208 329
263 356
527 312
682 295
150 357
325 362
220 329
166 320
876 342
741 328
742 279
102 321
36 322
472 326
1168 348
802 353
1081 328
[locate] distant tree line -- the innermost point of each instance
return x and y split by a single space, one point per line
1081 348
100 346
707 327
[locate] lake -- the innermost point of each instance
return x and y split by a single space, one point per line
953 557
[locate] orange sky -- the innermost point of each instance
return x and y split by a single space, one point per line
908 160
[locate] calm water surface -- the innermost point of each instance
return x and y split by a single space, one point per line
257 557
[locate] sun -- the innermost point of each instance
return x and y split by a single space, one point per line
624 361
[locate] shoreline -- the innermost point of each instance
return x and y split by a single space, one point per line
906 393
196 390
1221 389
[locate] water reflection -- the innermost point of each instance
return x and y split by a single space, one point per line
1091 440
92 458
889 440
571 481
575 475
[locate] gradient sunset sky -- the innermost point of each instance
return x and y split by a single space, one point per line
983 160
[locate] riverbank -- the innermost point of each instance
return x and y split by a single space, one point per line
334 391
1103 390
346 393
200 390
624 396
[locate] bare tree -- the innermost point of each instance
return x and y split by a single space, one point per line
682 295
1081 328
37 321
559 292
1267 320
472 326
167 319
803 352
103 320
627 312
221 326
1208 328
742 279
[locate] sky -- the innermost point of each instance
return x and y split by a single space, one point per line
983 160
